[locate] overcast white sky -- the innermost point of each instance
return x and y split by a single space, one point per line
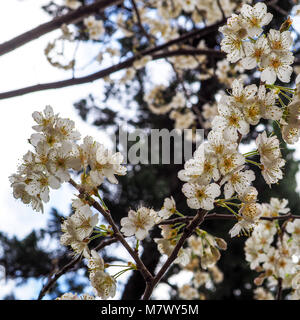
25 66
22 67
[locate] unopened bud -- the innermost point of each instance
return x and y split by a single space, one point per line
215 253
286 25
173 242
221 243
259 280
202 296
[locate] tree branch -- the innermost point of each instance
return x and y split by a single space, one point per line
71 17
69 266
193 223
117 234
197 220
136 10
213 216
105 72
279 289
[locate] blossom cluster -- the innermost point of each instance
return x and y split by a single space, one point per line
95 27
78 227
199 258
290 122
243 39
217 176
217 166
104 284
161 20
56 153
275 255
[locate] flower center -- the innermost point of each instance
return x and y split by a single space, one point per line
200 194
60 162
233 120
253 111
275 63
228 164
208 167
254 22
277 45
258 53
219 149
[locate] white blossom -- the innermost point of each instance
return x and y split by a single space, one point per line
95 27
39 184
73 4
237 181
267 104
280 41
271 171
277 65
268 147
255 17
138 223
168 209
104 284
229 162
84 221
254 52
231 122
95 262
201 196
106 164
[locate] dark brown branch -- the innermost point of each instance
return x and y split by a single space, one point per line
117 234
279 289
103 73
136 10
213 216
192 224
71 17
187 232
221 9
69 266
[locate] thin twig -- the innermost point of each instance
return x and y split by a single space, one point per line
136 10
70 265
71 17
214 216
117 234
221 9
279 289
105 72
197 220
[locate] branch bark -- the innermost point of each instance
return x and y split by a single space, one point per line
117 234
105 72
197 220
71 17
69 266
226 216
136 10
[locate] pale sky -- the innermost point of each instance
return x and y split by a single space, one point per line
26 66
22 67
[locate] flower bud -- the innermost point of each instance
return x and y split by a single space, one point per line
215 253
221 243
286 25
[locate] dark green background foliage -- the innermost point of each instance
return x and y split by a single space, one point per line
146 184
